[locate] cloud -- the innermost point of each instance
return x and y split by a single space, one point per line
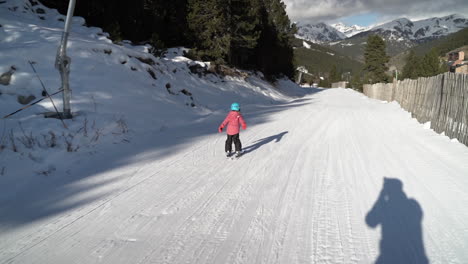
333 10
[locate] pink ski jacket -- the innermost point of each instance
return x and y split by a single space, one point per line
233 121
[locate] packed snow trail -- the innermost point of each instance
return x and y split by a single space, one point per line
306 191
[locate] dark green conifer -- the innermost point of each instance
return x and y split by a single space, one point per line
334 75
245 27
207 21
431 63
275 45
412 68
375 59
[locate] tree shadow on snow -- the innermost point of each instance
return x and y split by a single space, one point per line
263 141
400 218
83 180
93 176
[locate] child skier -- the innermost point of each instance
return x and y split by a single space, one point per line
233 121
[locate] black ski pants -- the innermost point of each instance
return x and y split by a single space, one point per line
236 140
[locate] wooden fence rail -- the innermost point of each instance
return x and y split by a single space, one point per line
441 100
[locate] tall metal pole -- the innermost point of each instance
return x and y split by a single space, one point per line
299 78
62 62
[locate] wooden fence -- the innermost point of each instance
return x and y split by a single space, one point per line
441 100
339 85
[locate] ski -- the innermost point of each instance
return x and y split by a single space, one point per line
234 156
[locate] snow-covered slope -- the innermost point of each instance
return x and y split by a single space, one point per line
319 33
119 92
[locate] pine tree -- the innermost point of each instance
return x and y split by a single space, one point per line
166 22
275 52
130 18
334 75
245 26
412 68
375 59
254 34
431 63
207 21
356 82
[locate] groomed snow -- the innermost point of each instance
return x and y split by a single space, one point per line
300 194
328 175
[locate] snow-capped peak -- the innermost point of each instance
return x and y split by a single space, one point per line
426 28
319 33
402 29
349 31
400 22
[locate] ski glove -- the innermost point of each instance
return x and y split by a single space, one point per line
244 127
220 129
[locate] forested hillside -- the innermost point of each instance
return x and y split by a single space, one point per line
446 44
320 60
250 34
440 46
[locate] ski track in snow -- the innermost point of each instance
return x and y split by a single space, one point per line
299 198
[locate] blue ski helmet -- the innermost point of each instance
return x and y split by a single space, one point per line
235 107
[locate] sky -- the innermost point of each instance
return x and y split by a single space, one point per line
371 12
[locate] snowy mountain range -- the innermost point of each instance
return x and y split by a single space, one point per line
421 30
319 33
349 31
402 29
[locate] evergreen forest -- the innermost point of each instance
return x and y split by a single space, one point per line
248 34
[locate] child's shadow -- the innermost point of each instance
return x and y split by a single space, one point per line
264 141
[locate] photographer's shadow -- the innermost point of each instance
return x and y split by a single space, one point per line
400 218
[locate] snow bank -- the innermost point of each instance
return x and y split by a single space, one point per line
119 91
